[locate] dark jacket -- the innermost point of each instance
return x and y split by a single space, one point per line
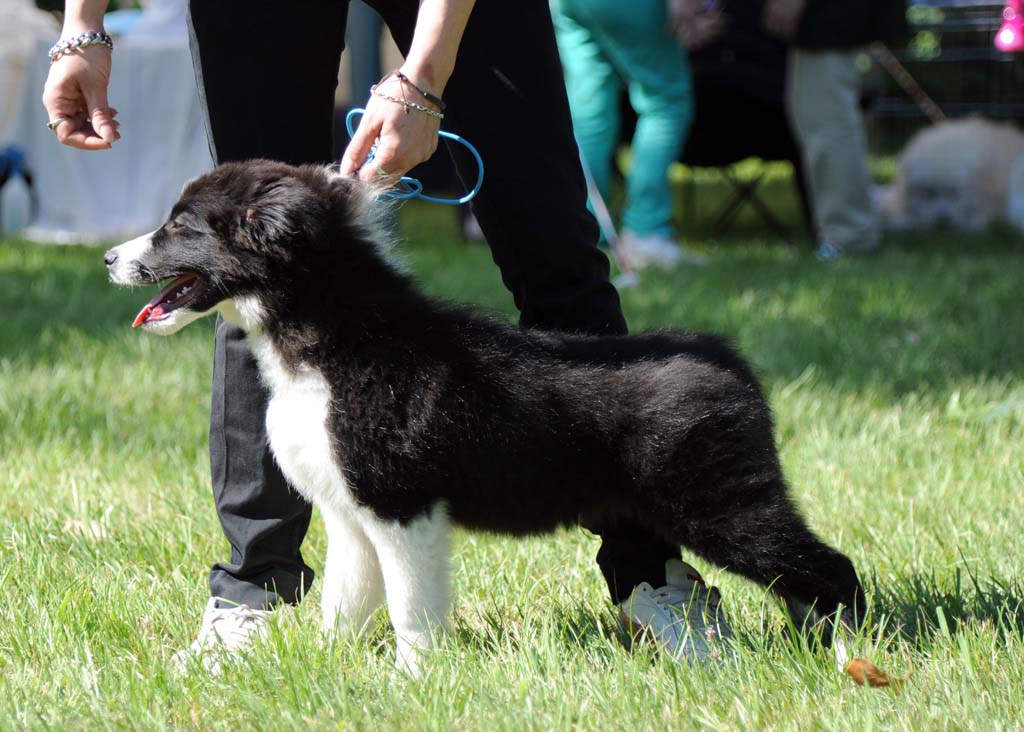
843 24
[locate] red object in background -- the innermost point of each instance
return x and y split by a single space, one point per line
1010 36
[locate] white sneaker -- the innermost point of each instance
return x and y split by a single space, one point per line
684 617
225 630
655 250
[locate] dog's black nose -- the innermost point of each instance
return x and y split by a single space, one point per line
109 258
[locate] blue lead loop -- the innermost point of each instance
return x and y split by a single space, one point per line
409 187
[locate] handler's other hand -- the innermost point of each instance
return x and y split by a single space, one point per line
77 90
404 137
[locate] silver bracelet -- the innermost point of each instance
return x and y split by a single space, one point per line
406 103
89 38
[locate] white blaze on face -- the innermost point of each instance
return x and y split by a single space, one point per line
124 271
169 311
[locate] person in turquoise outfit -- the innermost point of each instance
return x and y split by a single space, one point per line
603 45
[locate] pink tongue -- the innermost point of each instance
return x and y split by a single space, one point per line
146 313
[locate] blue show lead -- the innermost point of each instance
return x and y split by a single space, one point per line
411 187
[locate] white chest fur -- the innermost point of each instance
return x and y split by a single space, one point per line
297 428
365 554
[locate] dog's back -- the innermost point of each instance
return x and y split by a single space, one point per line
521 431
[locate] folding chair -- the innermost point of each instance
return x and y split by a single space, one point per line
721 137
739 83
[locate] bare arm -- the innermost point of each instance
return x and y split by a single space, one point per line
406 138
76 88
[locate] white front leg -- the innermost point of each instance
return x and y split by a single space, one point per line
353 585
414 561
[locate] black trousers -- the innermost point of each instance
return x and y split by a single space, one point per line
267 72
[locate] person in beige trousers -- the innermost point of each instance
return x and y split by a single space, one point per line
822 99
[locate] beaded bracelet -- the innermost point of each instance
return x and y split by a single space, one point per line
89 38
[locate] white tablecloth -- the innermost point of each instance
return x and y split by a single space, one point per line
128 190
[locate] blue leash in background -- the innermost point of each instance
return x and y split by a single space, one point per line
409 187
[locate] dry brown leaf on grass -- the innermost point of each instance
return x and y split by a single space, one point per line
865 673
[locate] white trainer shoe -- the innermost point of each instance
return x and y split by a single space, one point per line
684 617
655 250
225 631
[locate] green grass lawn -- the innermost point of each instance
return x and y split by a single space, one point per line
897 384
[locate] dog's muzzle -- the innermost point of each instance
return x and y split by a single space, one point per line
126 262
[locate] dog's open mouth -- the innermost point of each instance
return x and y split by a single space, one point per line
177 294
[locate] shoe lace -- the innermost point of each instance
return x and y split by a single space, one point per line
672 598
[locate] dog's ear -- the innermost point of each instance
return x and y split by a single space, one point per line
271 213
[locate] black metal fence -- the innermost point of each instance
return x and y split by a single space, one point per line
951 55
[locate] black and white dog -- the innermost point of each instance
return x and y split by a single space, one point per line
399 416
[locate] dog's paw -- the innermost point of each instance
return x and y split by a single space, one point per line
412 651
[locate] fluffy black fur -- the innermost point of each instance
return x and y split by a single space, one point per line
517 431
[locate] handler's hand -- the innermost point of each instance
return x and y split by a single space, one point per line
76 88
781 17
404 137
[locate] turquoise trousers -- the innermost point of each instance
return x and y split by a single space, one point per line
605 44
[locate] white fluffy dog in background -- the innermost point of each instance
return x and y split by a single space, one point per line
1015 204
965 173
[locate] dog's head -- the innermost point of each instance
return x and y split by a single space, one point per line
242 229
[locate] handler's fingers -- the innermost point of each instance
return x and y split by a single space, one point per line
359 148
77 132
100 115
385 168
59 107
66 129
